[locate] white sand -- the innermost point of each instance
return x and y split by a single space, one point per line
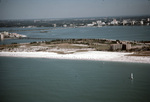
90 55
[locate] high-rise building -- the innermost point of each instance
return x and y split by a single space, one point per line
133 22
99 23
54 25
1 36
141 22
124 22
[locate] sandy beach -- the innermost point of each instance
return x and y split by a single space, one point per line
90 55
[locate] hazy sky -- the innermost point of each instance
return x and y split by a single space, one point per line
29 9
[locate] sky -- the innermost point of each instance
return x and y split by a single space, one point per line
37 9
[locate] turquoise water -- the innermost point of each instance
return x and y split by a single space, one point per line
131 33
51 80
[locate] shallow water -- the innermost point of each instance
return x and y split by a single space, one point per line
51 80
131 33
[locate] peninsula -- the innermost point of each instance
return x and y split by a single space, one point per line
82 49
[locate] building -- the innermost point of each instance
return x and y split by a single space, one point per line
6 33
64 25
90 25
126 46
115 47
141 22
125 22
114 22
1 36
93 23
133 22
103 23
54 25
99 23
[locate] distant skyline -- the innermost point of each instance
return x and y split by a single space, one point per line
37 9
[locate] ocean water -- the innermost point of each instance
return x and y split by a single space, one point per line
52 80
131 33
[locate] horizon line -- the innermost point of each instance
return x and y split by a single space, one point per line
73 17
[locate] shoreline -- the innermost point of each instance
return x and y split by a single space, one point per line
89 55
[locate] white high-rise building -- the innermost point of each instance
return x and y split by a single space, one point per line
54 25
133 22
141 22
1 36
99 23
124 22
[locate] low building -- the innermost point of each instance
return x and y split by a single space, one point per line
114 22
90 25
64 25
103 23
115 47
128 46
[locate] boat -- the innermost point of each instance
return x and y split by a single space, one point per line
131 77
43 31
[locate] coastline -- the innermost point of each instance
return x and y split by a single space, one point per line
89 55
